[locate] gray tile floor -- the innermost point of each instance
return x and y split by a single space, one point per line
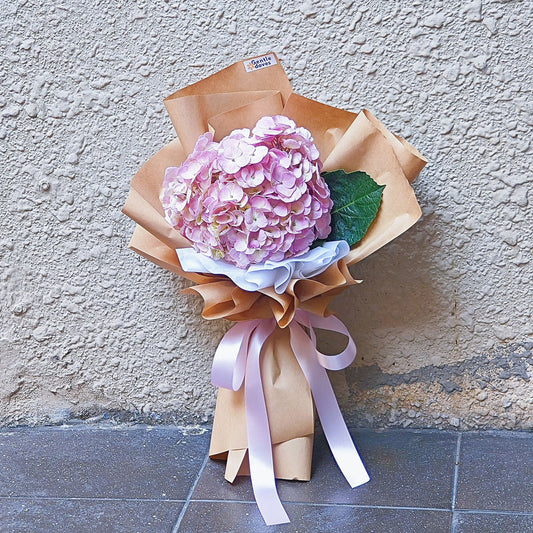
141 479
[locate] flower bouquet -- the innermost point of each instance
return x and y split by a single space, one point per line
263 200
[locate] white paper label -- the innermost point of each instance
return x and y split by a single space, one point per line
260 62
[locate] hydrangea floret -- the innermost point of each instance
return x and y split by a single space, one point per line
253 196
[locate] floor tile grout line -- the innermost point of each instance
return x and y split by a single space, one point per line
176 527
92 499
454 520
200 429
456 470
495 511
330 504
313 504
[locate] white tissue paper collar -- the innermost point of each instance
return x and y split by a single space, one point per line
275 274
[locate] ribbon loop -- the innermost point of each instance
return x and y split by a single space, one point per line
330 323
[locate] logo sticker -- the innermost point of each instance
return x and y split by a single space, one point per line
260 62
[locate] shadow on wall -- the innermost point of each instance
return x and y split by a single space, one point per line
399 308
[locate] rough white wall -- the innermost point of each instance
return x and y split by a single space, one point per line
443 319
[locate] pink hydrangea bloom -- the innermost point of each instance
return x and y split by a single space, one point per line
251 197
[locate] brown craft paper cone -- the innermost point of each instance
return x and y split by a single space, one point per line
290 414
235 98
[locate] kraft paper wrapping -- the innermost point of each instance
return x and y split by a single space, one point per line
234 98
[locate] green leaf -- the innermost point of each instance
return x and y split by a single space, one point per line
356 199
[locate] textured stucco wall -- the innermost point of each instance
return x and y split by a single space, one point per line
443 319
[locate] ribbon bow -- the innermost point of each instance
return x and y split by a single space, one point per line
237 360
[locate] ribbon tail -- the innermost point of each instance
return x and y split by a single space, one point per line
258 432
335 430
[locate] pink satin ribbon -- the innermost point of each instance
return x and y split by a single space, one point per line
238 357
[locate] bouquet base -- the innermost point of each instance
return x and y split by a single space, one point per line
292 460
290 412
